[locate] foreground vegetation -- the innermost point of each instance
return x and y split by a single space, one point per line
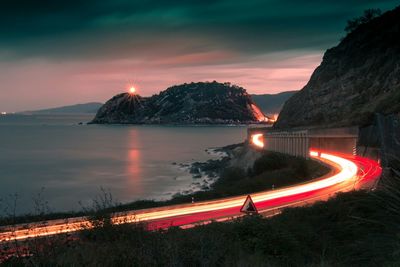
271 170
352 229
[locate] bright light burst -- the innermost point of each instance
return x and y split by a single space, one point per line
257 140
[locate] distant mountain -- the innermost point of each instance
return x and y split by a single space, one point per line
272 103
357 78
194 103
86 108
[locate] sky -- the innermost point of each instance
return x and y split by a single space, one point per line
55 53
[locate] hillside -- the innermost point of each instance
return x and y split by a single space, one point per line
91 107
272 104
357 78
204 103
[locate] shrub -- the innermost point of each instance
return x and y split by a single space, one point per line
269 161
368 15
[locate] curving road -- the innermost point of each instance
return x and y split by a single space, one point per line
348 173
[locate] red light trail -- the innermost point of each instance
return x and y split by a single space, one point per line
257 140
348 173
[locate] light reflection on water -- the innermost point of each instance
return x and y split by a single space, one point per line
134 164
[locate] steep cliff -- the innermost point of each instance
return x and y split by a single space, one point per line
193 103
358 77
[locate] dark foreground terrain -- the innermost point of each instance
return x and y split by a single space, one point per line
352 229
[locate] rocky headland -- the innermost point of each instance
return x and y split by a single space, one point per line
194 103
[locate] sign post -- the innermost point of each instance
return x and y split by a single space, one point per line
248 206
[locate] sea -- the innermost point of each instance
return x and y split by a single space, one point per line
59 163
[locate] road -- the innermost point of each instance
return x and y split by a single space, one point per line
348 173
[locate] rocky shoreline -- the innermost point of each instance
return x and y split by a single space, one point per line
206 173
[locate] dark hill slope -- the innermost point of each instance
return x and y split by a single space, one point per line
272 104
358 77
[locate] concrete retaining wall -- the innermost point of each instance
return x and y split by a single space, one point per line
298 142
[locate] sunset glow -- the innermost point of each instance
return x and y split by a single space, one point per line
148 47
132 90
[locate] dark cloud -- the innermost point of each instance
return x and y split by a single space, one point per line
121 28
60 52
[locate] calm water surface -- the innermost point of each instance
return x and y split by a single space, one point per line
69 163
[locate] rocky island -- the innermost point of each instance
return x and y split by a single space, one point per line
194 103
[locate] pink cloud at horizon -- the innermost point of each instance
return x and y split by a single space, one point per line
36 83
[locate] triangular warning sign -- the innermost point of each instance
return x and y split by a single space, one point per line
248 206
